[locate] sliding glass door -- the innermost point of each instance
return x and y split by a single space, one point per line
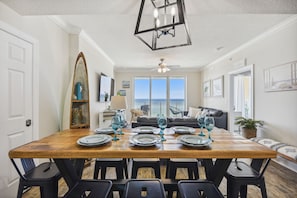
176 96
142 94
160 95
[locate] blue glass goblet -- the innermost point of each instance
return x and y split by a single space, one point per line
162 123
200 120
115 125
209 125
122 121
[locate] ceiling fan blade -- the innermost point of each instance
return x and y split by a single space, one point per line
173 66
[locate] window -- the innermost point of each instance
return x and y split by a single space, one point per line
160 95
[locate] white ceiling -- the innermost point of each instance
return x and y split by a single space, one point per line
212 23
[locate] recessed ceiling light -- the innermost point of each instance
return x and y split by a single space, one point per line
220 48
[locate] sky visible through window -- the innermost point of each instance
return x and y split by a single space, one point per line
142 87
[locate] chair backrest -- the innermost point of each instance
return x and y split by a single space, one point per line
198 188
26 168
28 164
257 165
145 108
174 110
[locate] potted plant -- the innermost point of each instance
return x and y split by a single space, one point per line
248 126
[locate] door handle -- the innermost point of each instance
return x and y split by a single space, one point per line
28 122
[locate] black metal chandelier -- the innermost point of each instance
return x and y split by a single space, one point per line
162 24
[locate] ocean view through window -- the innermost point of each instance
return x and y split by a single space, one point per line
159 95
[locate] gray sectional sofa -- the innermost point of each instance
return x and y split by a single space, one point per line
221 120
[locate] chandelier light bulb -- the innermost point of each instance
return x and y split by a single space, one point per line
156 13
173 11
158 22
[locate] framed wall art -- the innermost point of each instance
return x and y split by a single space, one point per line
125 84
206 88
218 86
281 77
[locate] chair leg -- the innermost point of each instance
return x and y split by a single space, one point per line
232 189
167 169
157 172
125 167
103 172
96 170
134 172
263 189
196 172
20 190
119 172
190 173
243 191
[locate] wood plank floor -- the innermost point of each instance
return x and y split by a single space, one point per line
280 182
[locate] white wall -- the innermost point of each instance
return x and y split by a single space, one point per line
193 85
277 109
53 64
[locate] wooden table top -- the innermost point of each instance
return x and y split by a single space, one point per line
64 145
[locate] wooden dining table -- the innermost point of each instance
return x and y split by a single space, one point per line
70 156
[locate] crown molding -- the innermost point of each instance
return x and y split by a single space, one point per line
87 38
71 29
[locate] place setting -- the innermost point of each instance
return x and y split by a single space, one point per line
144 130
145 140
194 141
105 130
94 140
183 130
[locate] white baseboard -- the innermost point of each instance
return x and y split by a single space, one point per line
286 163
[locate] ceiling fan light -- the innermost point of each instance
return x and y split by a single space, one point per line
160 70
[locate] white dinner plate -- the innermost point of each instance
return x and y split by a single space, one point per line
107 130
144 129
94 140
145 139
183 129
194 140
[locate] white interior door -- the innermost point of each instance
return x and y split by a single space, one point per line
241 96
16 102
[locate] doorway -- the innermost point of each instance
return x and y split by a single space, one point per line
241 95
19 99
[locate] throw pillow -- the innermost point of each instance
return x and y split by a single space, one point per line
204 112
194 112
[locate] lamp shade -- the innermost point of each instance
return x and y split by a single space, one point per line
118 102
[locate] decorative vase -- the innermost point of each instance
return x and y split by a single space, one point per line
78 90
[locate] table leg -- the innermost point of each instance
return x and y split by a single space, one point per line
70 169
215 171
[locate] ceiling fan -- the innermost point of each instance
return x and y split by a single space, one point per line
163 67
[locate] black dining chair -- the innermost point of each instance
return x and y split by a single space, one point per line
81 188
240 174
90 189
149 188
153 163
120 165
197 189
46 175
173 164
